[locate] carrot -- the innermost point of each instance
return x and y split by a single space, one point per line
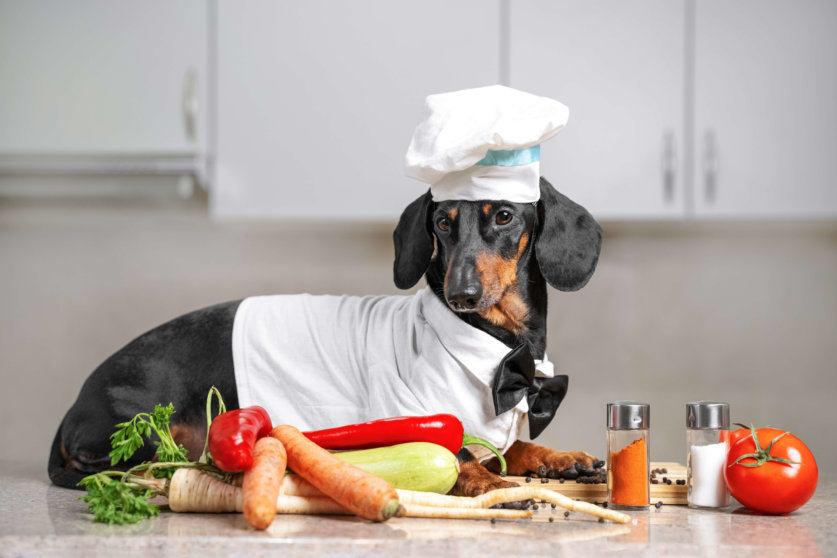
360 492
262 482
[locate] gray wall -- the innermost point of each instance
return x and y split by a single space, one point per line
741 312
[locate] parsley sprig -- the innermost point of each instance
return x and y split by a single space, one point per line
113 501
128 437
122 497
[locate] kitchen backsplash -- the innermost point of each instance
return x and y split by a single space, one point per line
737 312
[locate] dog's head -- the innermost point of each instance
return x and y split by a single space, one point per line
479 247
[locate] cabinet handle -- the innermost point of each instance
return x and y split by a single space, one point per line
669 166
190 104
710 166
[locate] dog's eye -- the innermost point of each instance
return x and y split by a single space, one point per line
503 218
443 224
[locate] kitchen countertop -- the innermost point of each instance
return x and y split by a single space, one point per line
42 520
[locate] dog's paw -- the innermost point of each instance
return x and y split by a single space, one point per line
525 458
474 479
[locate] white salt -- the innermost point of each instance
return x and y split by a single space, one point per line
708 488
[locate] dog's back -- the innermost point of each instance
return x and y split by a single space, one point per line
178 361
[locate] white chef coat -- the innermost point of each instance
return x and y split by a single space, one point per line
324 361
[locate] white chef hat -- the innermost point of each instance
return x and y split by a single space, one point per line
483 143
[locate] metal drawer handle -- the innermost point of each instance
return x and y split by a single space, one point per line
710 166
190 105
669 166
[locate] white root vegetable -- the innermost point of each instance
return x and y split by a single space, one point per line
413 510
311 505
191 490
504 495
294 485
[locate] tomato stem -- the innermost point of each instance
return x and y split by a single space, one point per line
761 455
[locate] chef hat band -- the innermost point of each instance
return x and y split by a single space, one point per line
483 143
503 174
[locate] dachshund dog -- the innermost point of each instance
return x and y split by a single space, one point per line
487 262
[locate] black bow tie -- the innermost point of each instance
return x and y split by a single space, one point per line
516 379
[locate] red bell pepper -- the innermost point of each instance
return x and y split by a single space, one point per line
233 435
443 429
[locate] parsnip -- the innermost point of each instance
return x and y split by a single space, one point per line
413 510
510 495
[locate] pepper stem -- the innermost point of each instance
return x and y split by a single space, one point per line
468 440
221 409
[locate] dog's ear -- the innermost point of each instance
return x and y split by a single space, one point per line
413 238
568 243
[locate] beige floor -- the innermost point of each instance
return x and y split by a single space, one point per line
745 313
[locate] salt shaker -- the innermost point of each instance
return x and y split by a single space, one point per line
707 441
627 455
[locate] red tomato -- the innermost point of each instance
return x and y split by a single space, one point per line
775 486
736 435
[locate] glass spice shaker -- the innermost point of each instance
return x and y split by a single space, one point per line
707 441
627 455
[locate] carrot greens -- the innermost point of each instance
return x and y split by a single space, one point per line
122 497
129 435
113 501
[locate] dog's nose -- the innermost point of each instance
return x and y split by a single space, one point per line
465 299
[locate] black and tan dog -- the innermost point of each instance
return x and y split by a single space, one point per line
489 262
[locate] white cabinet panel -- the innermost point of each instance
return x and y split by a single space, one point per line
619 66
766 108
102 77
317 100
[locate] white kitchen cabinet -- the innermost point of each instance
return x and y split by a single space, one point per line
619 67
99 78
317 100
765 108
707 109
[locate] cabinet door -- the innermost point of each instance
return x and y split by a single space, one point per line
317 101
765 110
619 67
95 77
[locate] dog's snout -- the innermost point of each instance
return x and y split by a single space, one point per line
465 298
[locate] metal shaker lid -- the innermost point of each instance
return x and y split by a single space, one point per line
628 415
707 414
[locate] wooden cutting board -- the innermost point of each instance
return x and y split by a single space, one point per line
672 494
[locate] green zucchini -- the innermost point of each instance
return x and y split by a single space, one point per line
412 466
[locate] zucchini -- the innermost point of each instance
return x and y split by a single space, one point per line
419 466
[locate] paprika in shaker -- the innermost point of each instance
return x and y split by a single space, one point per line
627 455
